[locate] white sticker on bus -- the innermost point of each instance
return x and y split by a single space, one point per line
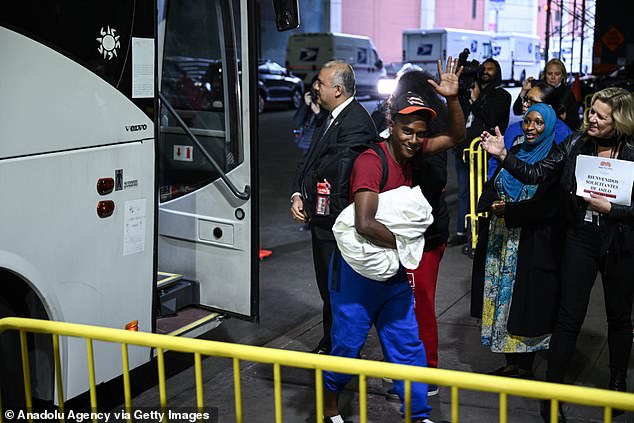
134 227
183 153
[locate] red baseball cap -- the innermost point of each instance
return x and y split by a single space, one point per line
410 102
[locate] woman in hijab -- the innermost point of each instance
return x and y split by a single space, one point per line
515 271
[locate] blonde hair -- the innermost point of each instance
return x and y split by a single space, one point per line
622 103
561 65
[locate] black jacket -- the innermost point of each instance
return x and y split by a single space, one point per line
490 109
568 104
559 165
536 289
431 175
346 137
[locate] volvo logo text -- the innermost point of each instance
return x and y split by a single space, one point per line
133 128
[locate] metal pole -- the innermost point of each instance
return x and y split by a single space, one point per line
561 25
583 33
548 2
573 33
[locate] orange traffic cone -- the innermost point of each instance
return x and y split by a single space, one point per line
265 253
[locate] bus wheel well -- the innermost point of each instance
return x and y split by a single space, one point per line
14 291
18 299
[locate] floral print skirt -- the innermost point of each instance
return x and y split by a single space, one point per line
499 278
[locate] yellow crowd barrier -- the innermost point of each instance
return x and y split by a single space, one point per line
477 159
457 380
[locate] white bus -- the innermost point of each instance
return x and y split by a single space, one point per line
128 169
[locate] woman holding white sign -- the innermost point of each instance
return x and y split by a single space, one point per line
599 234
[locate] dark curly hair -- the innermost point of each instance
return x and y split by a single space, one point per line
416 81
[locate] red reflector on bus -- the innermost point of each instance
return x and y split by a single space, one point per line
133 326
105 208
105 186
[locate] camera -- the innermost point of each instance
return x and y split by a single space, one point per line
471 71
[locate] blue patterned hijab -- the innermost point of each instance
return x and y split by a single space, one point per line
531 153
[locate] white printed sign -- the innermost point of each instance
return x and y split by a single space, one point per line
134 227
610 178
142 67
183 153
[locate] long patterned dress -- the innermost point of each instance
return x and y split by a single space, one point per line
499 278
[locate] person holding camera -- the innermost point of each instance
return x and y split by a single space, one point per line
485 105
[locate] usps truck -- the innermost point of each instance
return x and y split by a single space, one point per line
307 52
518 55
424 47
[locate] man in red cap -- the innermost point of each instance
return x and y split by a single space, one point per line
358 302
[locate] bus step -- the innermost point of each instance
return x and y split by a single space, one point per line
164 279
178 295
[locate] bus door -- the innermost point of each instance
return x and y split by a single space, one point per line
208 224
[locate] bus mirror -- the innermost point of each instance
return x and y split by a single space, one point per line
286 14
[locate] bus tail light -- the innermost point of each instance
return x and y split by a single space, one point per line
105 208
105 186
132 326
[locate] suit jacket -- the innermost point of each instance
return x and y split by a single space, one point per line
352 127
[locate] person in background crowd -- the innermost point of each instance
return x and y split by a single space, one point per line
348 122
599 235
555 76
515 278
359 302
539 93
308 117
485 107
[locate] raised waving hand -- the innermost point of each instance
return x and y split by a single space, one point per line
448 86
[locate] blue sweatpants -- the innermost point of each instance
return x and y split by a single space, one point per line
357 303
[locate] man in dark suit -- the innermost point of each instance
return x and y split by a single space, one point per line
347 124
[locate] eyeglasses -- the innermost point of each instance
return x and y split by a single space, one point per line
529 101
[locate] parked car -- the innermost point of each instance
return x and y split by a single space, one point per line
277 85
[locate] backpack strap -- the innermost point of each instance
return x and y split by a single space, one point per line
381 153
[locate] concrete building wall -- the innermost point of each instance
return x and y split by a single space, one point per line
464 14
383 22
513 16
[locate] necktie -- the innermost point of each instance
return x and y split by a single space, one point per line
324 128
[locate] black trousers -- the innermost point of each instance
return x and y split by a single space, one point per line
582 259
324 246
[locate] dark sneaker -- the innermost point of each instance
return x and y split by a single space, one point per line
432 390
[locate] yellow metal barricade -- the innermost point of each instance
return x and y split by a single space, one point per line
477 159
608 400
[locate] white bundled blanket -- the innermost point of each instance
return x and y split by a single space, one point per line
407 214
